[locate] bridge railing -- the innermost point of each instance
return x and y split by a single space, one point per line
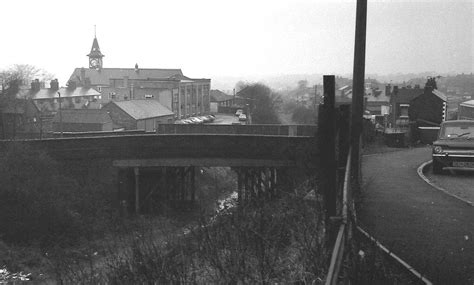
270 130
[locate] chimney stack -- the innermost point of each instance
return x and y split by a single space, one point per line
388 90
54 85
35 85
136 68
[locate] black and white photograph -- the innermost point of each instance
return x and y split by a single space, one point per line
237 142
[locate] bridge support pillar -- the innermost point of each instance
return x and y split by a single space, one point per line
257 183
137 190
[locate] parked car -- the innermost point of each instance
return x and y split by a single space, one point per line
205 119
211 118
454 146
196 120
187 121
242 117
239 112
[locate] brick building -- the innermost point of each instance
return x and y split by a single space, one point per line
138 114
182 95
82 120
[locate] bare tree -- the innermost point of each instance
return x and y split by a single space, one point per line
12 79
26 73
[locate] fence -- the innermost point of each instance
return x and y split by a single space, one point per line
345 229
335 155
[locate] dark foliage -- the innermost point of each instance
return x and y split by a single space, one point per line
38 204
263 103
303 115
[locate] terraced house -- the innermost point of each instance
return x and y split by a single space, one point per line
182 95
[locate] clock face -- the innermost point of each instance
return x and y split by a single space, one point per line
94 62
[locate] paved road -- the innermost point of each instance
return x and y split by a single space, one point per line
431 231
458 182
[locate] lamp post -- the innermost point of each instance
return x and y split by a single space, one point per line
60 117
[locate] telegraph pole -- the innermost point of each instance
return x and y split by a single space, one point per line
358 88
60 117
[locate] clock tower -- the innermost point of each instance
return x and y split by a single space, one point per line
95 56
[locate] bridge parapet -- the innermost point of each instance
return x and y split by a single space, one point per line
194 147
262 130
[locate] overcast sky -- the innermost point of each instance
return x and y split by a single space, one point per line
238 37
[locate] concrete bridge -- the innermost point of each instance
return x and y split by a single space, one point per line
163 164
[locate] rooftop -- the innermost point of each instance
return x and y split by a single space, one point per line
48 93
102 76
143 109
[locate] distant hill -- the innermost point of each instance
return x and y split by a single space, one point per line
289 81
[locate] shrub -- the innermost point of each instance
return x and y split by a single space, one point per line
33 204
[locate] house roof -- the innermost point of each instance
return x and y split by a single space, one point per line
83 116
102 76
219 96
405 95
47 93
469 103
440 95
381 95
143 109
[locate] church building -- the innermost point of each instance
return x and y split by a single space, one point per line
182 95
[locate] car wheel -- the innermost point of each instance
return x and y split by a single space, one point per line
437 167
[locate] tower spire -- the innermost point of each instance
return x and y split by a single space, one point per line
95 56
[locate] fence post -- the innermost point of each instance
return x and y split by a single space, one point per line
327 146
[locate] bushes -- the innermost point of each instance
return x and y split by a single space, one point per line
31 204
278 241
38 203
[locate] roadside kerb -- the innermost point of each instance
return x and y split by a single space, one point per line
421 170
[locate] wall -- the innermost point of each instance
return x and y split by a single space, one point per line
119 117
150 125
82 127
427 107
465 113
214 107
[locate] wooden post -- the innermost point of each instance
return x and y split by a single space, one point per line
137 190
358 88
239 186
344 123
183 184
327 146
193 183
260 190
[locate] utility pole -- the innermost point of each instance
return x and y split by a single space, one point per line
358 88
60 117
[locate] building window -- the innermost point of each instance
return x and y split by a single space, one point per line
99 88
404 110
77 100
